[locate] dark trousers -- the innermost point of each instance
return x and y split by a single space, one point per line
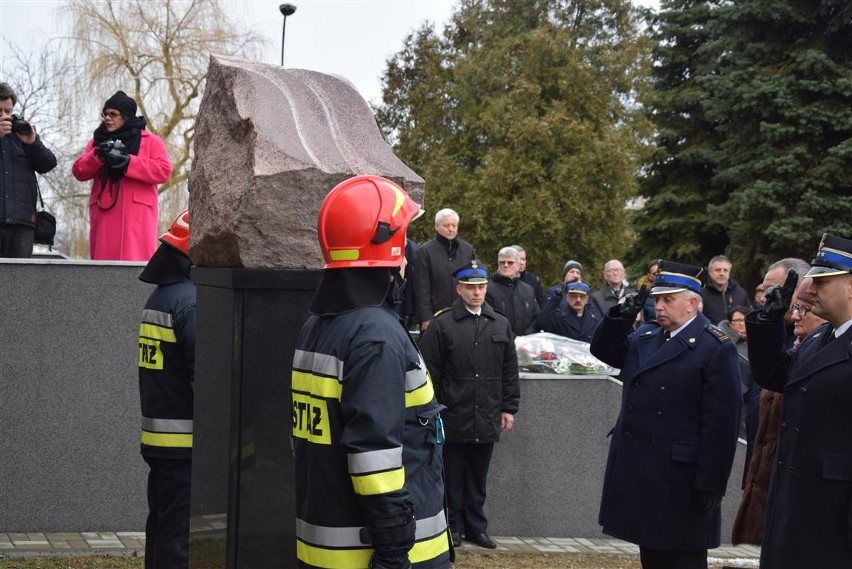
16 241
466 468
167 528
682 559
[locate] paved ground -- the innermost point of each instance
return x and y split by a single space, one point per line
133 543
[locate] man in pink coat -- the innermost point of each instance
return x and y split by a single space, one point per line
125 163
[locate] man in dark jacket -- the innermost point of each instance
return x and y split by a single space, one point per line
528 277
470 352
809 507
166 376
570 314
22 154
509 296
721 293
674 442
614 288
434 265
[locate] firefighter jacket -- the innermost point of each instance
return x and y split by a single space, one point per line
364 435
475 367
167 369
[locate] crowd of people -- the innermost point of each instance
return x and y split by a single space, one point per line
684 339
381 422
125 162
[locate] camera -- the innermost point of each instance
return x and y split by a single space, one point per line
20 126
114 152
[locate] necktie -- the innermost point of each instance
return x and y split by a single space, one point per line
666 335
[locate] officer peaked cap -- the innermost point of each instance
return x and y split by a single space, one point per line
834 257
676 277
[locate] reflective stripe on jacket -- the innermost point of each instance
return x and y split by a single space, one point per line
167 369
364 438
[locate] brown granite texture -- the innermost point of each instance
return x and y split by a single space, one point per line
270 143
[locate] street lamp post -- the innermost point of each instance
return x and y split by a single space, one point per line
287 10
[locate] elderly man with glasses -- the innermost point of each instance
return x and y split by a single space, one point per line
614 289
510 296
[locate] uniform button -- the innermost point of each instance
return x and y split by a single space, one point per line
796 430
630 408
653 441
792 469
636 384
780 464
783 427
803 390
662 388
627 434
659 413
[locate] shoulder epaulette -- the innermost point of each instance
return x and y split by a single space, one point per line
717 332
447 309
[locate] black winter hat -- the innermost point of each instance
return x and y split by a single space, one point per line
122 103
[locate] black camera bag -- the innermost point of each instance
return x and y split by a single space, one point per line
45 224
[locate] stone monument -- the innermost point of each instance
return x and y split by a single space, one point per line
270 143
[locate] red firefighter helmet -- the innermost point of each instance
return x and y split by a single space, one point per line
178 234
362 223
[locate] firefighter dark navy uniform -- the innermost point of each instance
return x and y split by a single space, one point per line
808 520
166 374
366 424
674 442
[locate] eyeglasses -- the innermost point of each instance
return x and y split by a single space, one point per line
506 262
615 270
802 310
110 115
737 320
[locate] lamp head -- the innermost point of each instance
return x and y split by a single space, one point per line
287 9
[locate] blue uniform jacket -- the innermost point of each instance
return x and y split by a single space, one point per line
809 509
676 433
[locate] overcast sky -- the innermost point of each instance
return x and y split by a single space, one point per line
352 38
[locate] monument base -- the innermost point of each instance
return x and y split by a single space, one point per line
243 505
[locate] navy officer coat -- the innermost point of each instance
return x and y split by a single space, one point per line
809 509
676 433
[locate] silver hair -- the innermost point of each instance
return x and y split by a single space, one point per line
719 259
446 212
509 252
799 265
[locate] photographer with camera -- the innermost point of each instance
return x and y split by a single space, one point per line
22 154
126 163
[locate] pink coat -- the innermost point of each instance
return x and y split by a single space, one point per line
128 231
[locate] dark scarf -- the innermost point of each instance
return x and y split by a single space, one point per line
130 134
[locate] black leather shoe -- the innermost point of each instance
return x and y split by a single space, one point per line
482 540
456 539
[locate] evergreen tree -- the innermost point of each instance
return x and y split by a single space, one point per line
753 115
675 222
782 101
523 117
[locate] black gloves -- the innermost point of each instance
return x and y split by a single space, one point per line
708 500
778 299
391 539
115 154
632 304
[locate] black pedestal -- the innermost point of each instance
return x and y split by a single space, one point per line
242 473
